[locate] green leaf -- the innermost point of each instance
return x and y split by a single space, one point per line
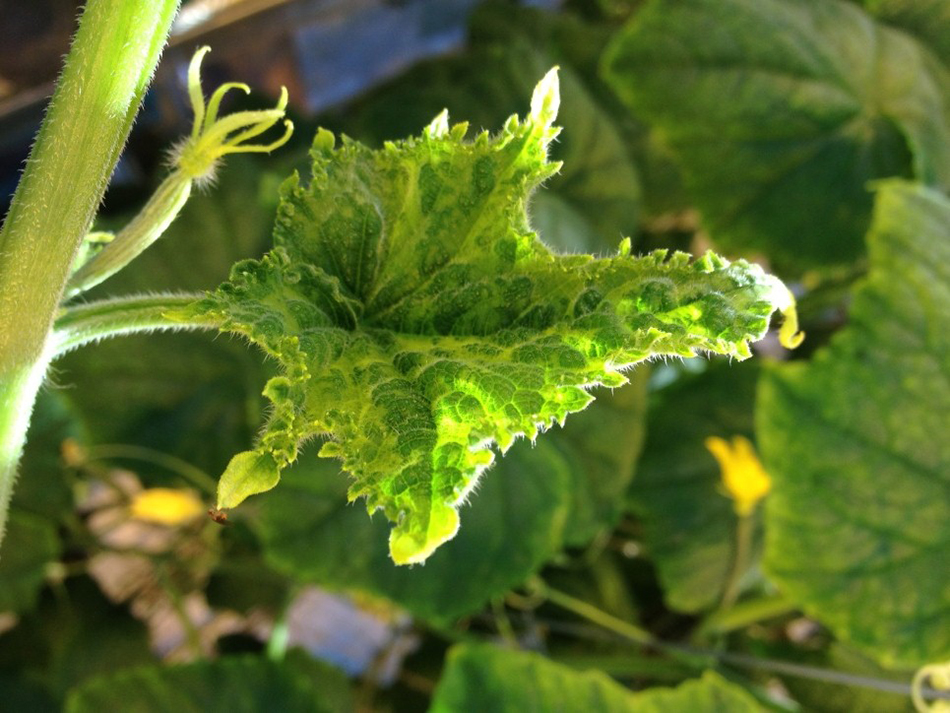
689 525
512 528
418 321
29 545
492 680
42 487
232 684
602 446
859 521
781 112
929 20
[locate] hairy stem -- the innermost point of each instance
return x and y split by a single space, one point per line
144 229
84 324
108 68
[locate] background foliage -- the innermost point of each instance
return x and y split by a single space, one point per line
761 128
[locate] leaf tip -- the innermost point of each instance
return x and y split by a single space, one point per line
546 98
409 546
248 473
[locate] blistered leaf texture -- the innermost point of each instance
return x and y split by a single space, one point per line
493 680
858 523
780 112
419 322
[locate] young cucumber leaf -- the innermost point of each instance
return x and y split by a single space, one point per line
480 677
418 320
856 442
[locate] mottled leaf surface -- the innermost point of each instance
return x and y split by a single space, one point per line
689 525
418 321
781 112
513 525
597 190
493 680
859 521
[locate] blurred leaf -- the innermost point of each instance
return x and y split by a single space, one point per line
512 526
42 487
689 527
242 581
491 680
29 545
195 396
929 20
22 693
601 446
72 634
781 112
229 685
855 439
336 694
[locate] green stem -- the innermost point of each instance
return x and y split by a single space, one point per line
197 477
95 321
745 613
739 561
595 615
143 230
705 658
107 71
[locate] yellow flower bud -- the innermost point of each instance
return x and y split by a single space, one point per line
743 476
166 506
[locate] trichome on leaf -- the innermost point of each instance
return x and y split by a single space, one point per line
418 320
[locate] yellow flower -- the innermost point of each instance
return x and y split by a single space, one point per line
743 476
166 506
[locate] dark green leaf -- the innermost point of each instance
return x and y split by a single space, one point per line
29 545
512 527
42 487
491 680
859 520
230 685
781 112
929 20
689 526
602 446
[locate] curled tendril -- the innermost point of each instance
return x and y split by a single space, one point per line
938 676
212 137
